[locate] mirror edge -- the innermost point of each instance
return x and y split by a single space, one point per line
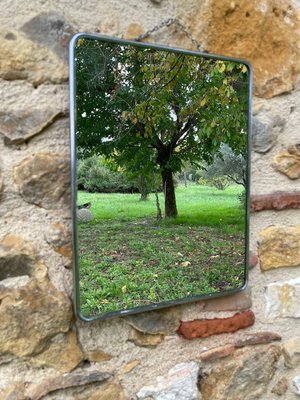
73 164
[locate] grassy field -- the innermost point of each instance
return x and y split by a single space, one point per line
128 258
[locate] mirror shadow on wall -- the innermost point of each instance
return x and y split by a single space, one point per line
160 142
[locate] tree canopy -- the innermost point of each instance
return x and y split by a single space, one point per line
154 109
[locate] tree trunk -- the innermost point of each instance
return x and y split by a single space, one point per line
144 196
158 213
185 178
143 188
169 192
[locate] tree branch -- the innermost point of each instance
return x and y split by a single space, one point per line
236 180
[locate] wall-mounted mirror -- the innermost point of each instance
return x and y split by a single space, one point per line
160 175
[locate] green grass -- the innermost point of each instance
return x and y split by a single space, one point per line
196 204
128 259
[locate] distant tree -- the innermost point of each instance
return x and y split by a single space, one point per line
96 174
227 168
158 108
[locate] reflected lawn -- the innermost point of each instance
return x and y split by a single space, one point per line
135 261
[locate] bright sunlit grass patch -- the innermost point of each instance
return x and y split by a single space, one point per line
196 204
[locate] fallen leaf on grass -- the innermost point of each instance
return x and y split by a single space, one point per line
185 263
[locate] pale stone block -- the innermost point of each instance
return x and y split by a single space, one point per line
296 383
279 247
291 352
283 299
180 384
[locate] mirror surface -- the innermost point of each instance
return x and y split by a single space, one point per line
160 143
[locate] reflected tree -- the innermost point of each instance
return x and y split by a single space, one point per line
154 110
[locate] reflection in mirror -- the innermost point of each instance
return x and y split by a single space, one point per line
160 175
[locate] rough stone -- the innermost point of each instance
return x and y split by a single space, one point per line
111 391
265 33
291 352
145 339
263 137
1 182
133 31
43 179
288 162
28 61
217 352
16 282
251 339
280 387
20 126
62 354
112 332
155 322
68 279
15 391
208 327
59 238
275 201
30 316
130 366
112 337
39 390
180 384
296 384
279 247
98 356
19 258
50 30
84 215
282 299
245 376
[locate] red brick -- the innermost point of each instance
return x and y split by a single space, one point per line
253 259
275 201
208 327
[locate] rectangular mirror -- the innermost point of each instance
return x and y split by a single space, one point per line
160 175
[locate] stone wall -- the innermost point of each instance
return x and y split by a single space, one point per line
245 346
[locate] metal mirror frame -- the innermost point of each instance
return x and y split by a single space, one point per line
73 154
